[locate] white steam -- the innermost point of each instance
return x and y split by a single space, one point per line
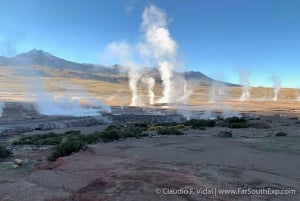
244 81
165 70
216 92
159 46
276 86
150 82
47 103
134 76
123 52
156 48
187 92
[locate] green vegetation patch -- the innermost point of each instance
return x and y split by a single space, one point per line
65 148
235 122
4 152
163 130
280 134
115 132
73 141
200 123
238 125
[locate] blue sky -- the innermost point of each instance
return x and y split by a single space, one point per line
216 37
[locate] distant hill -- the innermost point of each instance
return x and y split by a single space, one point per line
48 65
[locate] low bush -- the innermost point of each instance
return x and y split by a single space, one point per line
235 122
46 139
111 134
72 132
280 134
152 128
179 126
4 152
200 123
168 131
65 148
167 124
141 125
90 138
114 132
238 125
293 118
40 139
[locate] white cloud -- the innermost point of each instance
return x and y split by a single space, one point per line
130 5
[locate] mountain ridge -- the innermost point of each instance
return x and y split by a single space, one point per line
42 58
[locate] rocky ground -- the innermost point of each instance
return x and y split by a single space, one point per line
198 165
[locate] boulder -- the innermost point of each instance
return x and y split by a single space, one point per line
18 161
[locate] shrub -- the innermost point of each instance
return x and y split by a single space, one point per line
114 132
48 138
238 125
179 126
141 125
131 132
90 138
235 122
200 123
168 131
167 124
72 132
4 152
152 128
110 135
65 148
293 118
235 119
40 139
280 134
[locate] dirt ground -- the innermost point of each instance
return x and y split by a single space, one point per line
252 165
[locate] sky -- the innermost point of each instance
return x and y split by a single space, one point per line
215 37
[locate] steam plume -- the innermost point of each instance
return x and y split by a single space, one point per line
244 81
150 81
156 47
216 92
48 104
186 92
123 52
134 76
165 70
276 86
159 46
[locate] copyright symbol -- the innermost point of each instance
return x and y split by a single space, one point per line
158 191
